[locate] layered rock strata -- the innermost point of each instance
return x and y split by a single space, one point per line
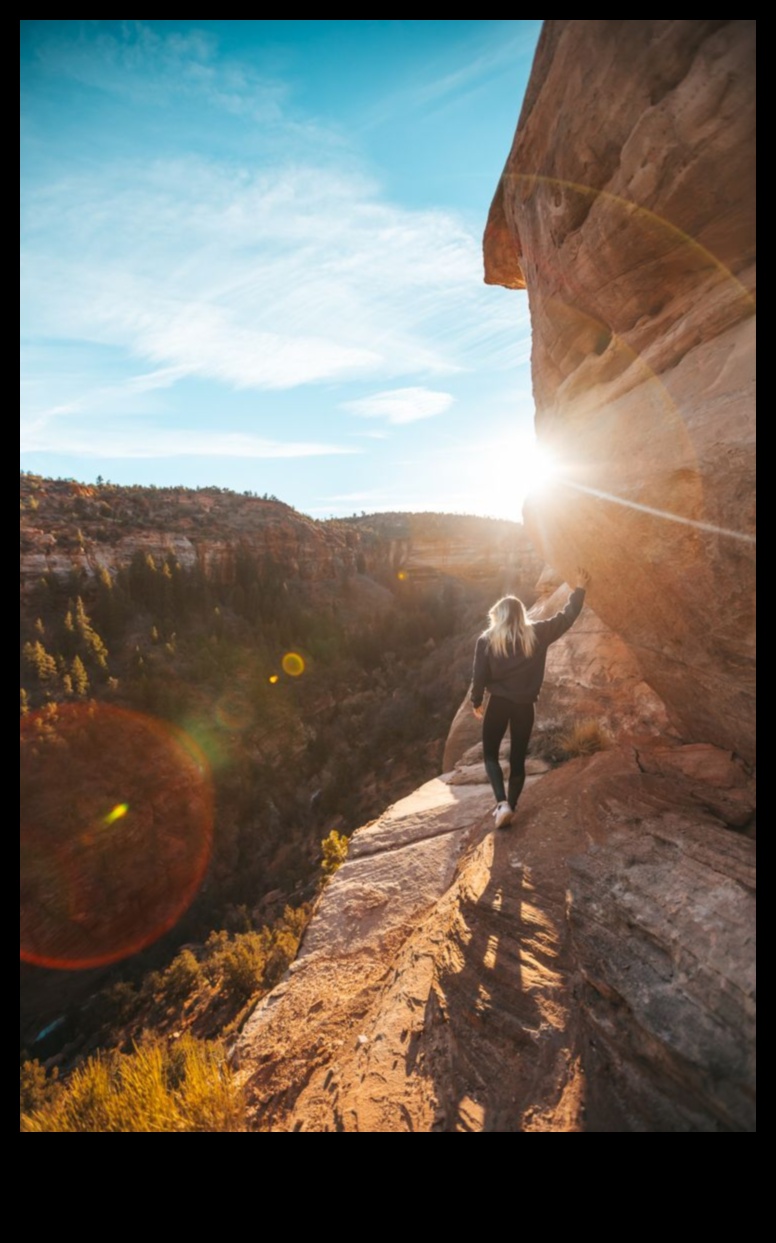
626 209
69 529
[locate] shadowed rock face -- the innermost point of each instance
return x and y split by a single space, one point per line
441 985
626 209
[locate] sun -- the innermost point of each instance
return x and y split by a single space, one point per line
519 467
536 466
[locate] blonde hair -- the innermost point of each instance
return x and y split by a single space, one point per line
509 629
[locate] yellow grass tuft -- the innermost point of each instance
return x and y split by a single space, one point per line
186 1086
584 737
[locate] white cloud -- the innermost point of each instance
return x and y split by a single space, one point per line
449 82
401 405
119 441
279 274
271 280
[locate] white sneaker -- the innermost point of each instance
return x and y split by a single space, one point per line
503 815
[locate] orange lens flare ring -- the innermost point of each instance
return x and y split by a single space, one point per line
116 832
293 664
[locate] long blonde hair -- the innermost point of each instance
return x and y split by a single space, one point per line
509 629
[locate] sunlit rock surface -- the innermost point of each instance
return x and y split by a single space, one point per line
442 987
627 210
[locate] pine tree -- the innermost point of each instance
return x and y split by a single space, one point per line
79 678
91 643
40 662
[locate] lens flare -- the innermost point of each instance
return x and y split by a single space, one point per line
274 677
91 897
293 664
119 810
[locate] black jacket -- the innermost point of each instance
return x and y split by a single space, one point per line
519 677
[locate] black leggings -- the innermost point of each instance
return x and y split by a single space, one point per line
499 714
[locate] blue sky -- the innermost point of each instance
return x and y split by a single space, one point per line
251 257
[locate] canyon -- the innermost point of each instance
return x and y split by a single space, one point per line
591 968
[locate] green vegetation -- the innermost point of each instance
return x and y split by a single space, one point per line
37 1088
247 962
335 852
170 1082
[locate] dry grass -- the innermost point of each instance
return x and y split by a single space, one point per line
583 737
186 1086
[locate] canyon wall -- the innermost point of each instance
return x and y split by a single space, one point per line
69 528
626 209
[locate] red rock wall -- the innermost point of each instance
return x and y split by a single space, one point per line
627 210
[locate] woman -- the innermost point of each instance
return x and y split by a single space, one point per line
509 663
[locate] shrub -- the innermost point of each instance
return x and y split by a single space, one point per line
181 977
116 1003
186 1087
241 962
36 1088
335 852
584 737
250 961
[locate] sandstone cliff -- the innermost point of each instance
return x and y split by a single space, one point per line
627 210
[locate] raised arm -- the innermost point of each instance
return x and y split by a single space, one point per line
555 626
583 579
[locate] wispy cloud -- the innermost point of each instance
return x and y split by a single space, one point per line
268 280
401 405
497 53
120 441
147 65
444 84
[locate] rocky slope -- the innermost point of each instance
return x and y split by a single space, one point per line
442 986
